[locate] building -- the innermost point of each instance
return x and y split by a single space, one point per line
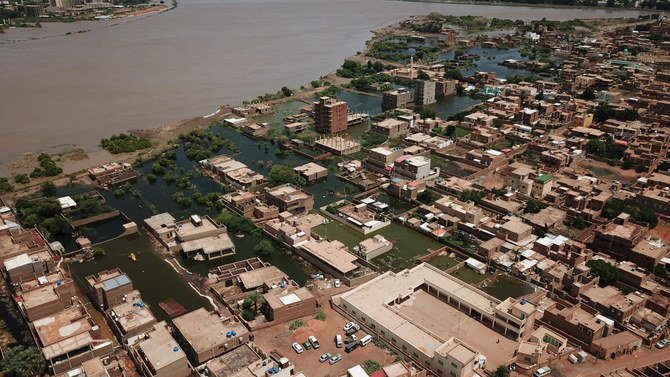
112 174
412 167
333 257
396 98
204 335
159 355
130 319
289 198
330 115
53 294
380 159
338 145
619 237
311 171
248 204
391 128
373 247
68 338
424 93
292 230
400 308
29 266
15 240
255 129
233 172
288 303
108 288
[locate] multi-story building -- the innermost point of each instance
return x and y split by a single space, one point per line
424 93
330 115
412 167
396 98
108 288
391 128
159 355
289 198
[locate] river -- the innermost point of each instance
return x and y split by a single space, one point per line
61 90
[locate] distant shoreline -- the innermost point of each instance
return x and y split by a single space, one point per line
548 6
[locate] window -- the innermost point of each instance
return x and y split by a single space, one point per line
383 333
404 348
372 326
393 340
415 355
453 365
440 362
353 312
452 374
440 371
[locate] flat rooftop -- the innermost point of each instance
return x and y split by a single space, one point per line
204 330
310 168
160 348
63 325
133 313
186 228
333 253
210 244
162 220
255 278
233 363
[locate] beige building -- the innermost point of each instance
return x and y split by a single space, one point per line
159 355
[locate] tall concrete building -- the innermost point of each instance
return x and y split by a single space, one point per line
396 98
425 92
330 115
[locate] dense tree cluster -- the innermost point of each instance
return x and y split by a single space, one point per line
280 174
615 207
608 274
124 143
200 144
47 167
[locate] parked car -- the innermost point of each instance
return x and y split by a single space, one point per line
350 347
324 357
307 345
662 343
315 343
347 326
351 328
338 283
365 340
338 341
297 347
335 359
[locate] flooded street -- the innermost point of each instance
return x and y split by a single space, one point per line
61 90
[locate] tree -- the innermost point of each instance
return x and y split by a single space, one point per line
98 252
5 186
48 190
588 94
533 206
427 197
280 174
21 178
264 247
23 362
56 225
608 274
256 299
501 371
320 315
422 75
286 91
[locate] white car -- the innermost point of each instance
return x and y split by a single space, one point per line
348 326
662 343
338 283
335 359
315 343
297 347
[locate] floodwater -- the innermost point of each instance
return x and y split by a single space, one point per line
64 89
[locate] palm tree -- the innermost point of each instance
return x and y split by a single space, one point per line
257 299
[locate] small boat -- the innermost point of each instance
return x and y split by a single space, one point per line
132 257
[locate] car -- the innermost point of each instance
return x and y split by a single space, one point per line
338 283
324 357
662 343
338 341
347 326
350 347
297 348
351 328
307 345
335 359
315 343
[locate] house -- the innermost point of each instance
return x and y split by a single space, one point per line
311 171
159 354
108 288
289 198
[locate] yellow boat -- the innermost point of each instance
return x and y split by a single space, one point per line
132 257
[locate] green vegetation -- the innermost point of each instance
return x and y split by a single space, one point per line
321 315
237 224
47 168
5 186
316 84
330 91
22 362
615 207
333 207
48 190
264 247
576 222
352 69
425 112
21 178
200 144
501 371
206 200
661 271
471 196
371 366
396 49
606 149
280 174
44 213
298 323
124 143
366 82
181 199
608 274
99 252
533 206
427 197
604 112
90 205
371 139
286 91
